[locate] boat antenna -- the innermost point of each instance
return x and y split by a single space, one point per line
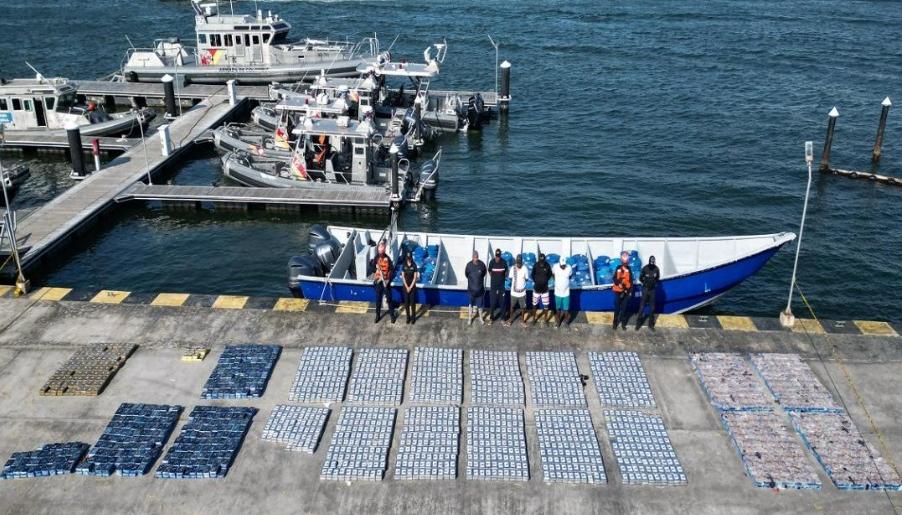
393 42
39 75
494 44
129 41
231 7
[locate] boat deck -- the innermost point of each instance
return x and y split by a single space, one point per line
62 217
326 197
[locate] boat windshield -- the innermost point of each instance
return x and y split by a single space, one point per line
279 38
66 102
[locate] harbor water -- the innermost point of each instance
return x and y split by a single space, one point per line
651 118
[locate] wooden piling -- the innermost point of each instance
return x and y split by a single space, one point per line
878 145
828 142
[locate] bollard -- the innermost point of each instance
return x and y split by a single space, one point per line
233 92
831 126
165 139
169 95
95 149
109 103
393 151
76 155
417 117
505 98
878 145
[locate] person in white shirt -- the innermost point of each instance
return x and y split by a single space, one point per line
562 273
518 275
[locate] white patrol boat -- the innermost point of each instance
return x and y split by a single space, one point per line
252 49
42 104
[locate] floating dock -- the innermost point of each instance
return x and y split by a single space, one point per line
59 140
347 198
63 217
868 176
98 89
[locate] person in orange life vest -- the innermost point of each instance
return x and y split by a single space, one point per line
623 286
382 281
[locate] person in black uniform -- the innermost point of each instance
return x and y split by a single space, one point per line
497 276
649 278
410 274
475 273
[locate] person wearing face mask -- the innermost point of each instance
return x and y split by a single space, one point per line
649 278
623 286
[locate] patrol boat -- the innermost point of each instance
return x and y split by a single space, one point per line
252 49
694 271
42 104
340 152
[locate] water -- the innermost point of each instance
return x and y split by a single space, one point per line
651 119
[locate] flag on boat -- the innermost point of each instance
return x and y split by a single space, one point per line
298 170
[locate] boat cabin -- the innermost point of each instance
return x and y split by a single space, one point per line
236 38
38 103
340 148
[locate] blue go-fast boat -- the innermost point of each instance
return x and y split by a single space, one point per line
694 271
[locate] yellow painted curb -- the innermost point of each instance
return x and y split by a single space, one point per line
352 306
170 299
55 293
464 313
600 317
290 304
735 323
230 302
4 289
873 328
808 325
110 297
672 321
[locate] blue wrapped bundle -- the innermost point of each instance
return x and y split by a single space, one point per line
553 259
529 259
507 283
508 258
529 284
601 262
432 250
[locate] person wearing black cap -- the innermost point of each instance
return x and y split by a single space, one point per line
649 278
497 275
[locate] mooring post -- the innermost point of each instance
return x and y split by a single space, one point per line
505 97
76 155
165 139
233 92
393 151
878 145
109 103
831 126
169 95
417 117
95 149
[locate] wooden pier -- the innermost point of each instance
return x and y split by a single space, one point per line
66 216
366 199
104 88
59 140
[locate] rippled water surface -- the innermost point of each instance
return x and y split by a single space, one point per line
628 118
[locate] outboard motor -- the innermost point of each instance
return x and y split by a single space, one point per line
428 180
403 148
302 266
327 253
474 117
316 235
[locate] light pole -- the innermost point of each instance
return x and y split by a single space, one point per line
786 317
22 284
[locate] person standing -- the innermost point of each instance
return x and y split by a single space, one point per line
475 273
518 275
623 286
649 278
562 273
382 282
410 275
541 274
497 276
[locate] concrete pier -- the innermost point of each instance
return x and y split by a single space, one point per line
38 333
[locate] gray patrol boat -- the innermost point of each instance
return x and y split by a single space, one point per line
251 49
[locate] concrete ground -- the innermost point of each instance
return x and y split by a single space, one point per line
37 336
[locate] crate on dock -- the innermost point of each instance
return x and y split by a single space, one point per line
620 380
793 383
88 371
496 444
437 375
208 444
730 383
554 379
322 375
569 447
50 460
242 371
643 449
299 428
378 376
430 441
359 447
132 441
495 378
